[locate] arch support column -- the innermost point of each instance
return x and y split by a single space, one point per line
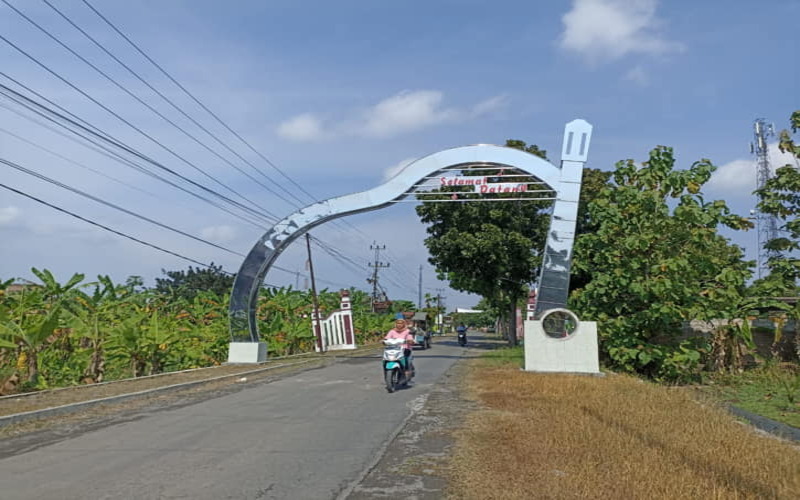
553 288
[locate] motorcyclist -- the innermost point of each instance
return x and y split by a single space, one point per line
401 331
462 330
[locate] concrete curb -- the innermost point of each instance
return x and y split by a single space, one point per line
768 425
75 407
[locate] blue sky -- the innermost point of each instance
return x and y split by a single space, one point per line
338 94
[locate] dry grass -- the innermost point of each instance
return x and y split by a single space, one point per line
554 436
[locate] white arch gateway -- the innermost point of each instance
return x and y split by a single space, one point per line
564 180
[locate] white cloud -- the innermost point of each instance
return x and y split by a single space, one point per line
403 112
638 76
490 105
395 169
603 30
738 177
305 127
8 215
218 234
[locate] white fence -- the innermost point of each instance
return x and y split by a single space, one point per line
336 329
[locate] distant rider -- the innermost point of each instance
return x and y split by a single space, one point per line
462 330
401 331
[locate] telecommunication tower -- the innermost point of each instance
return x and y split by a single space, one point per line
767 224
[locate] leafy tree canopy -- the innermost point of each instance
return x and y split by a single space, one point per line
656 259
187 284
491 249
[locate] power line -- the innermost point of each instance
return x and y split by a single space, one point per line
105 151
112 205
64 158
141 217
196 100
151 108
90 129
205 108
97 224
128 123
177 108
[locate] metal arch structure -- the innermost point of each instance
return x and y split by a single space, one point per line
565 180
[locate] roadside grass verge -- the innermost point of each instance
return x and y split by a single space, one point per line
567 436
505 356
772 391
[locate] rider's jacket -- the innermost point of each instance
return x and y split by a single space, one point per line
403 334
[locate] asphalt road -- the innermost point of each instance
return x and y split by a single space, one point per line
307 436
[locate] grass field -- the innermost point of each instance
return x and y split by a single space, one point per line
771 390
561 436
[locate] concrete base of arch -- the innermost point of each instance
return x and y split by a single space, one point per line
247 352
577 353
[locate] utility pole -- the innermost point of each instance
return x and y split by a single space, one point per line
375 267
316 319
419 298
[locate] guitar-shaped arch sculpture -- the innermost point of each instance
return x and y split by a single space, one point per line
564 180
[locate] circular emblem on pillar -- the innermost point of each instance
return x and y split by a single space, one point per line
559 323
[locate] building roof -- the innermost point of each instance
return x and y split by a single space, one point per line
464 310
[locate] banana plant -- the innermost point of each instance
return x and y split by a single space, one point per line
94 316
27 326
144 338
52 291
204 330
160 338
126 342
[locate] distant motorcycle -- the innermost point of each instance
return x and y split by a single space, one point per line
394 364
462 338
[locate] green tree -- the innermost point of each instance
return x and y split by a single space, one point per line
505 238
187 284
656 259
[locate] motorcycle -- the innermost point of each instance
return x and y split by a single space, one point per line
394 364
462 338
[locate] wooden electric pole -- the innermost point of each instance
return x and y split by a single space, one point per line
316 319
